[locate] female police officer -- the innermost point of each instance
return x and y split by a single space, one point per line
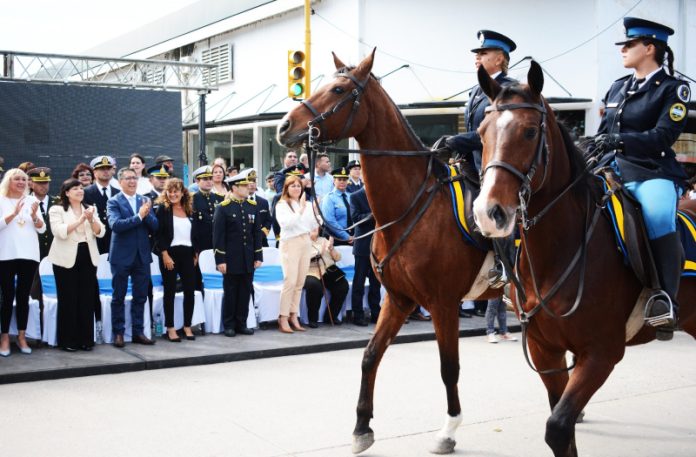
644 114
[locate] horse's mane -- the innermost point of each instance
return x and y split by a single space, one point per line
409 128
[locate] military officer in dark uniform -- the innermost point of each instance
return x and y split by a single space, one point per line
644 114
41 180
204 203
99 192
238 251
263 211
355 182
167 162
158 179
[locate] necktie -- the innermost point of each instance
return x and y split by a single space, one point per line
345 202
636 82
41 207
104 193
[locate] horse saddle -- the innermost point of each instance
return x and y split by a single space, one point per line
626 216
464 191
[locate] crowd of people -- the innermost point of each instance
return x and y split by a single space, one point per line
135 211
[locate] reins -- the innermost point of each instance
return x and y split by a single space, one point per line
314 146
580 256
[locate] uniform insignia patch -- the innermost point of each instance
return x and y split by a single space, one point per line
684 93
677 112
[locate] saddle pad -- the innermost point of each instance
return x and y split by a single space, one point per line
461 205
685 226
687 230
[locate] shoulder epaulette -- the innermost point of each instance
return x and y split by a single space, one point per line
225 202
251 202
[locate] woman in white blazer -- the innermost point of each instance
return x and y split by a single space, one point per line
75 256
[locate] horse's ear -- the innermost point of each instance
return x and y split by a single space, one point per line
489 85
365 67
535 78
338 62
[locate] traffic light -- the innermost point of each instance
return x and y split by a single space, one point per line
296 74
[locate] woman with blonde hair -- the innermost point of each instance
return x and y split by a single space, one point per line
175 244
296 219
20 221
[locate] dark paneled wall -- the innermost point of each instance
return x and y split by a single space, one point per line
59 126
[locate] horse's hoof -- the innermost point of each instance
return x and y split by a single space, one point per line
443 446
581 417
362 442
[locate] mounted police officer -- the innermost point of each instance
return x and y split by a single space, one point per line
644 114
237 241
494 55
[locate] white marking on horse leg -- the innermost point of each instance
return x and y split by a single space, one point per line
444 443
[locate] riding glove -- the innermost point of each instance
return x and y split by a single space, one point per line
607 142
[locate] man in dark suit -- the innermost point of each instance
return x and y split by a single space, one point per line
41 180
99 193
131 222
238 251
158 179
360 209
263 211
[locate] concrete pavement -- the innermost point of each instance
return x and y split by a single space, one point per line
52 363
305 406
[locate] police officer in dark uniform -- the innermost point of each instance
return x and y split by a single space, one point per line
158 179
238 251
494 55
644 114
355 183
360 209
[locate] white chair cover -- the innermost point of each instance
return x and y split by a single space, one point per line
212 303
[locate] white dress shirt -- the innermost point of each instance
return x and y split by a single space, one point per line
18 239
292 222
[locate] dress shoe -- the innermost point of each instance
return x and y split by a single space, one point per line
313 325
295 323
359 321
118 341
418 316
86 347
465 314
190 337
245 331
142 339
175 339
230 332
68 349
283 325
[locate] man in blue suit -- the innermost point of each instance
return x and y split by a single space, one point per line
131 223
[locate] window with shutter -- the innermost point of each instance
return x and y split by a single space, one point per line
222 57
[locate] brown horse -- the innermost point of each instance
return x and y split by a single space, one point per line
432 266
532 168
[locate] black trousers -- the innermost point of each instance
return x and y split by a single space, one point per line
184 268
75 290
363 270
235 303
24 270
338 290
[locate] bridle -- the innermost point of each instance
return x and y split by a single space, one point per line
525 193
315 146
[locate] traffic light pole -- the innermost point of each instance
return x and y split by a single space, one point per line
308 48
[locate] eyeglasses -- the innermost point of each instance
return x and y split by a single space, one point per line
130 178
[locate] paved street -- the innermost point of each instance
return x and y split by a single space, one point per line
304 406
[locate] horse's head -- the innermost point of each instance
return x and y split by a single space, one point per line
513 134
334 111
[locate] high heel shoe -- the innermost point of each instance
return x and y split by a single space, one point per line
295 323
5 353
283 324
190 337
176 339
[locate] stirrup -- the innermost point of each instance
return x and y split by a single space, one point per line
497 277
664 319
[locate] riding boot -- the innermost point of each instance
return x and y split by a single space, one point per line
497 276
669 259
468 169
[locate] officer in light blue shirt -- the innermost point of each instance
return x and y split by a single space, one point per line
323 181
336 209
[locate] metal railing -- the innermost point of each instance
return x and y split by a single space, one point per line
109 72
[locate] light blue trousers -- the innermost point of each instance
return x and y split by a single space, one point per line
658 199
